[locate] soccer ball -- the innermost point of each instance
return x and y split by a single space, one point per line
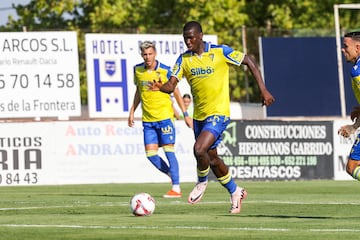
142 204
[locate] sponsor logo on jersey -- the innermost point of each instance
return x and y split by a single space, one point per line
201 71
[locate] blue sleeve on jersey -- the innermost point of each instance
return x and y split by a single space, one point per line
179 59
168 70
178 63
355 71
226 50
134 79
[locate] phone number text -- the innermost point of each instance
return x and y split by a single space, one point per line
44 80
17 178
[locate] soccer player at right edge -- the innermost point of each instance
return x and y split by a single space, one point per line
351 51
206 68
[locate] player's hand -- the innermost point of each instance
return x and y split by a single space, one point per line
346 130
189 122
155 85
131 122
268 99
355 113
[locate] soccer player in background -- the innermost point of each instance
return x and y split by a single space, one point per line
157 115
351 51
206 68
188 105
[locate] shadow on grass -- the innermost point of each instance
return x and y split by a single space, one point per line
88 195
291 216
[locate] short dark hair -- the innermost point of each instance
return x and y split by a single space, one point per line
353 35
193 24
186 95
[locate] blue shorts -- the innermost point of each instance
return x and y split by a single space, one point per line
161 132
214 124
355 150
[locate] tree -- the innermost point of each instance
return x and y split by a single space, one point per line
225 18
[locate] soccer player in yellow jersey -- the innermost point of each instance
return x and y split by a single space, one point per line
206 68
157 115
351 51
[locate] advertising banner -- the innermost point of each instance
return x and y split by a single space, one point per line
26 150
342 148
39 74
110 59
85 152
89 152
275 150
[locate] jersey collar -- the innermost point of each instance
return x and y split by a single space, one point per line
207 48
357 60
156 66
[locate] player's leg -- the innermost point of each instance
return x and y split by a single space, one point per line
152 154
166 133
221 171
175 191
353 164
204 139
353 168
208 136
151 147
209 139
215 126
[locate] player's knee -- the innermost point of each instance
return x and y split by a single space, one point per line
353 170
351 166
349 169
199 151
215 162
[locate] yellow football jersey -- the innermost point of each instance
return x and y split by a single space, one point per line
355 77
208 77
155 105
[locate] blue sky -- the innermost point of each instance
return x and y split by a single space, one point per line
5 9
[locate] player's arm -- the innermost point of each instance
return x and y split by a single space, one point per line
267 98
135 104
347 130
168 87
176 113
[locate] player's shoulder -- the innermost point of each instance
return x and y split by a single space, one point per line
187 53
164 66
225 49
355 71
139 65
216 46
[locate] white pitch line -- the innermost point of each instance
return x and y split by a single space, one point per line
306 203
174 227
139 227
42 207
177 202
281 202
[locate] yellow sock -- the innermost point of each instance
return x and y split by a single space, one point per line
356 173
203 174
225 179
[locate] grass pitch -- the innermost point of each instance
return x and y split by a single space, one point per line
294 210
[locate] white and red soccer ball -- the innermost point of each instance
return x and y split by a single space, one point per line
142 204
